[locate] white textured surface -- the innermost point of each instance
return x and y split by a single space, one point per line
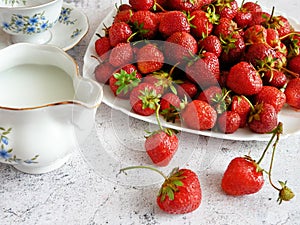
74 194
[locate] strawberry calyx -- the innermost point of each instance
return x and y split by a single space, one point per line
221 101
126 81
211 14
228 42
285 193
171 184
150 98
255 112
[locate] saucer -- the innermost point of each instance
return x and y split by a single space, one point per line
70 28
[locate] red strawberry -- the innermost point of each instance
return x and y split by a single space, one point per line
273 37
179 46
226 8
228 122
145 23
204 71
281 24
211 43
242 177
259 18
187 89
201 25
161 146
123 81
242 106
292 42
141 4
255 34
185 6
121 55
170 106
119 33
263 119
233 49
102 47
261 54
103 72
292 92
209 94
144 99
275 78
244 14
124 7
243 79
272 96
123 16
252 7
149 59
173 21
199 115
225 27
294 64
180 193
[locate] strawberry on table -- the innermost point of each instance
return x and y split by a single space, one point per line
199 115
180 193
242 177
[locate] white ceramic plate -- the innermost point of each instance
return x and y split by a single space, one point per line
67 32
289 117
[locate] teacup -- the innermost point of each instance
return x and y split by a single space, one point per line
46 108
29 20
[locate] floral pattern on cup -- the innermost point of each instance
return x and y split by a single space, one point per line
26 24
64 17
6 153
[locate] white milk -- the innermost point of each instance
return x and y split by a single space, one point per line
34 85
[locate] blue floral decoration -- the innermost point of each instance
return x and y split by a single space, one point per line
64 17
6 152
26 24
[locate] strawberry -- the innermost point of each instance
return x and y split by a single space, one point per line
281 24
119 33
124 7
233 47
180 193
292 93
255 34
149 59
252 7
273 37
259 18
228 122
200 24
186 6
242 177
292 42
274 78
226 8
145 23
211 43
123 16
263 119
225 28
209 94
199 115
170 106
103 71
244 73
144 99
261 54
294 64
244 16
272 96
121 55
242 106
204 71
124 80
187 89
102 47
173 21
141 4
161 146
179 46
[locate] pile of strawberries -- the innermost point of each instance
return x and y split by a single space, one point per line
210 63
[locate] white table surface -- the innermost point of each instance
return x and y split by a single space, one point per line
75 194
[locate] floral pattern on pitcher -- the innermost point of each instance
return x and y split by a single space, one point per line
26 24
6 153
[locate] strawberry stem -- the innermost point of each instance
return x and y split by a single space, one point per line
157 117
144 167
